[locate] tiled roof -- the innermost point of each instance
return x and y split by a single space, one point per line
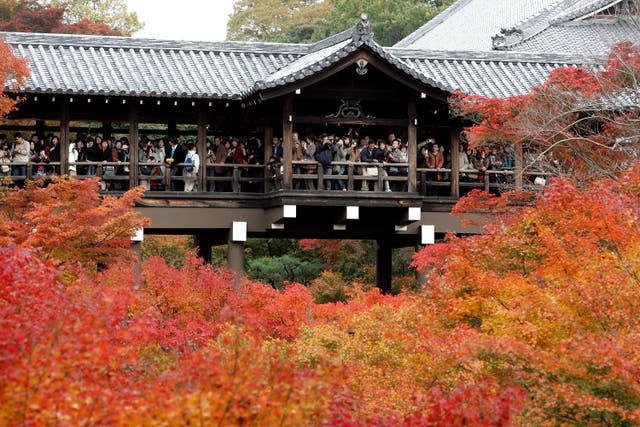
324 58
236 70
527 25
491 74
139 67
469 24
592 36
566 21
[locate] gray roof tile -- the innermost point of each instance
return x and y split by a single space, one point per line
140 67
469 24
235 70
591 36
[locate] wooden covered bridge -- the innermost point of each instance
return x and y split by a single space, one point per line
111 85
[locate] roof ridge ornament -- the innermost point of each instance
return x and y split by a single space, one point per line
362 30
507 37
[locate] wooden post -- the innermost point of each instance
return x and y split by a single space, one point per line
64 137
454 132
412 148
383 266
202 149
268 139
287 142
235 260
204 242
106 130
172 130
134 146
40 129
518 165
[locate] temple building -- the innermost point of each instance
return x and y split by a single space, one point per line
119 86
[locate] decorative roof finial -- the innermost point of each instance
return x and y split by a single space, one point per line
362 30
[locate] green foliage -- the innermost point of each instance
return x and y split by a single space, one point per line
113 13
307 21
277 20
277 270
329 287
390 20
173 249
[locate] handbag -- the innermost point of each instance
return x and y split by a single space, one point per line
372 171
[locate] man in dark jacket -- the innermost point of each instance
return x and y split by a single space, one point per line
174 154
368 155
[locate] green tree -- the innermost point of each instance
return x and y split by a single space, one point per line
277 270
277 20
113 13
305 21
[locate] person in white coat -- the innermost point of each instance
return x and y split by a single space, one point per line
192 166
73 158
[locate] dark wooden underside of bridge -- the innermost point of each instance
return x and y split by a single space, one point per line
345 215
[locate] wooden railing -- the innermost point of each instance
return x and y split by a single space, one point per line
307 176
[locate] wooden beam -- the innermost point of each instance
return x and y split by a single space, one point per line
202 148
412 145
64 136
370 56
134 146
352 122
454 137
287 141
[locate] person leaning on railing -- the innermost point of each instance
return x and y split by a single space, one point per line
5 158
20 155
192 166
341 152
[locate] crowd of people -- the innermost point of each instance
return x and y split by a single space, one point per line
327 153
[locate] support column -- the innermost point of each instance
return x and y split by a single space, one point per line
412 148
64 137
107 130
518 169
235 250
383 266
134 146
202 149
235 260
204 242
268 137
454 138
172 130
287 141
40 129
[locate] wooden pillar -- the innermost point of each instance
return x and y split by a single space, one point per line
383 266
518 169
268 139
287 142
235 260
134 146
202 148
40 129
107 130
64 137
412 148
454 137
204 242
172 130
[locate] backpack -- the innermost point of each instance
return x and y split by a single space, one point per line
188 160
325 157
